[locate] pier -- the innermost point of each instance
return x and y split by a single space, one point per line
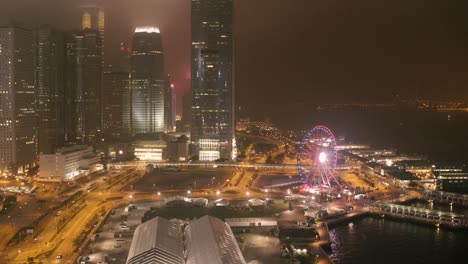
446 197
420 215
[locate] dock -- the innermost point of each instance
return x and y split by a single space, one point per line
419 215
446 197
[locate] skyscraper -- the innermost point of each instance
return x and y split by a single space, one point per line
115 85
17 116
70 88
89 85
49 57
147 82
93 17
169 105
212 126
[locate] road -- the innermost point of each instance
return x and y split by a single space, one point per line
62 243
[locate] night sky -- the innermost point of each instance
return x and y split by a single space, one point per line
291 54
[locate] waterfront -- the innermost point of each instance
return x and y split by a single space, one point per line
362 241
430 134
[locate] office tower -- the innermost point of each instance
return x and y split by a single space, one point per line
70 88
212 126
169 105
115 84
89 85
17 116
123 58
49 58
186 113
93 18
147 82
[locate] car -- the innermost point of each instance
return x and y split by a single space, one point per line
59 256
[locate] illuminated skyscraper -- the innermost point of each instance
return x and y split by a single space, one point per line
93 17
146 82
49 57
17 116
212 126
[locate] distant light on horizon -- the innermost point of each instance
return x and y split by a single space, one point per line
147 29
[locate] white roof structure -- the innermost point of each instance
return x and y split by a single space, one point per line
251 221
256 202
157 241
210 240
207 240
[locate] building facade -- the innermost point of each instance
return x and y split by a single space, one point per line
115 86
452 182
68 163
17 115
92 17
177 150
212 126
146 82
70 88
89 85
169 105
49 61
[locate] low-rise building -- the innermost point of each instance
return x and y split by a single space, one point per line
178 150
252 221
452 182
149 150
68 163
204 240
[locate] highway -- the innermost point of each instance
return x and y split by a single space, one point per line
62 243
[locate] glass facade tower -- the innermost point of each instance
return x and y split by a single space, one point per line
17 114
212 126
146 82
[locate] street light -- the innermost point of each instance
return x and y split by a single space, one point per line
189 192
218 192
247 193
159 193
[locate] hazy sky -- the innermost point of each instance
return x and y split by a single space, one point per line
293 53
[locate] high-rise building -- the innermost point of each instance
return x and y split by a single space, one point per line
212 126
146 82
70 88
89 85
17 116
169 105
122 58
184 124
49 58
115 85
93 17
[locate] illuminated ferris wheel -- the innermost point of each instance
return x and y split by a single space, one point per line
317 157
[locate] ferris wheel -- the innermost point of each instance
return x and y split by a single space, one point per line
317 157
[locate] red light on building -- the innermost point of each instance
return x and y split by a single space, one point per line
122 48
172 85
